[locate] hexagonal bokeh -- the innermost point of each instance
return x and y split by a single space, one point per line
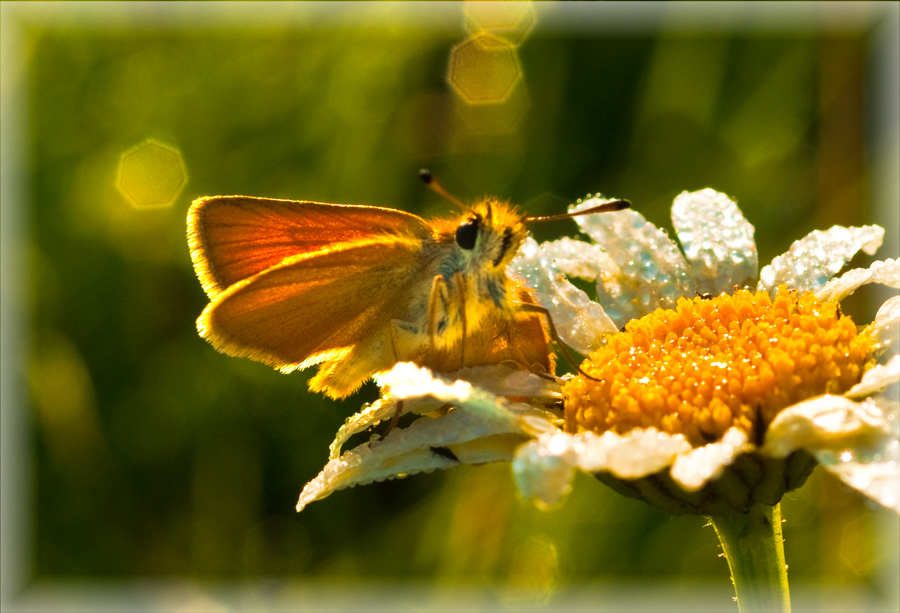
484 69
151 174
511 21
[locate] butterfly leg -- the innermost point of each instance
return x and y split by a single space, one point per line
536 308
438 304
393 423
405 342
460 282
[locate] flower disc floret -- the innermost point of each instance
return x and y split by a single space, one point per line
715 363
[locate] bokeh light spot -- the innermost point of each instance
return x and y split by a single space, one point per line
64 400
151 174
511 21
533 573
484 69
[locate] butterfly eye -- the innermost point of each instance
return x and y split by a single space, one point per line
467 233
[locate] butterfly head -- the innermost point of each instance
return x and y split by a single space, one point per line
490 234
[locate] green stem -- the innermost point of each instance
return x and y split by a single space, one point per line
754 549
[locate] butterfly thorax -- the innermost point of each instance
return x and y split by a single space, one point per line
472 256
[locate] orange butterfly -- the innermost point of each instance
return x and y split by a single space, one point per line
359 288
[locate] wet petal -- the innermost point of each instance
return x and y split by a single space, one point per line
885 330
503 380
580 322
543 467
468 437
877 378
699 466
873 470
633 455
579 259
407 380
542 476
885 273
651 272
824 422
370 415
814 259
716 239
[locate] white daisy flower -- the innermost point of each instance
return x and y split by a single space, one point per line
714 396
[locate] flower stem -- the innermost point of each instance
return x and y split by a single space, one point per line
754 549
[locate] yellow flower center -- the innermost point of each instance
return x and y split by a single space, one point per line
711 364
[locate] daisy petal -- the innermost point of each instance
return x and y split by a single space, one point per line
886 273
420 448
697 467
717 240
877 378
370 415
874 471
886 327
580 322
824 422
382 409
634 455
817 257
504 380
543 467
541 475
407 380
650 273
579 259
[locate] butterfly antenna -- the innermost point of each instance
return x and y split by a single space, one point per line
430 180
606 207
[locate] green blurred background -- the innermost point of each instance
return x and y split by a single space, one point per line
151 455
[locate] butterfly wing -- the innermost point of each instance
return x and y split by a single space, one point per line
233 238
313 307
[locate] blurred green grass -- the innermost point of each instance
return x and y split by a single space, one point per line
155 455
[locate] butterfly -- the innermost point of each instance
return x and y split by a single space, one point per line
356 289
